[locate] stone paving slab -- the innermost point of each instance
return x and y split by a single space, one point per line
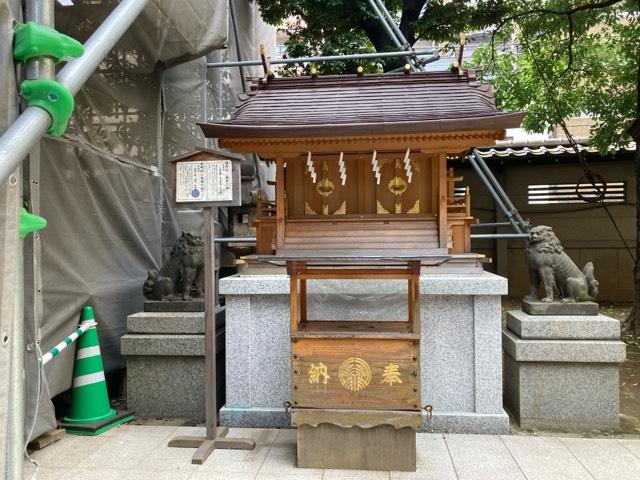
140 452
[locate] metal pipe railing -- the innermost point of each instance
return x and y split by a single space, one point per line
235 240
492 224
29 127
325 58
499 235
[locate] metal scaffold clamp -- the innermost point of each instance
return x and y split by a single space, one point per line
29 223
52 97
32 40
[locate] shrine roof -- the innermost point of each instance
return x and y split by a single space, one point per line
342 105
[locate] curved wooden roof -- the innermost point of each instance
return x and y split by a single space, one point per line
343 105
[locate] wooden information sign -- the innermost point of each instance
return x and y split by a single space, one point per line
209 179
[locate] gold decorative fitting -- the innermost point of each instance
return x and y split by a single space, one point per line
342 210
360 71
397 186
325 187
308 210
380 209
354 374
407 68
415 208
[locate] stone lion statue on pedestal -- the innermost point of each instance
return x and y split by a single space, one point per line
551 266
183 270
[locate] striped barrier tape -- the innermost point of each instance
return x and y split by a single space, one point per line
55 351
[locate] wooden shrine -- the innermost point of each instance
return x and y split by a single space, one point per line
363 191
361 161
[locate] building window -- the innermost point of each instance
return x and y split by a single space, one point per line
567 193
281 50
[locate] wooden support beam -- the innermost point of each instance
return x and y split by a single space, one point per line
442 199
280 203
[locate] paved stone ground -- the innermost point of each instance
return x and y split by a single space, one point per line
139 452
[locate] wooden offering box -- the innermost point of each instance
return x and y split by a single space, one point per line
355 380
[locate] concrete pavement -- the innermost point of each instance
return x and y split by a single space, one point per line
133 452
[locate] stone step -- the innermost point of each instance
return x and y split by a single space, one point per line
554 351
561 327
177 323
168 345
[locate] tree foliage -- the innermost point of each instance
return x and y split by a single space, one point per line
555 61
330 27
551 58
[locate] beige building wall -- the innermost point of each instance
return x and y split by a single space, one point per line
584 230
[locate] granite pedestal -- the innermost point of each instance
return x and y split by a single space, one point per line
165 363
561 371
461 367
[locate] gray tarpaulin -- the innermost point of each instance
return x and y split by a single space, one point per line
102 186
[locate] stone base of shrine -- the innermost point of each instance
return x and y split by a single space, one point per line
440 422
461 352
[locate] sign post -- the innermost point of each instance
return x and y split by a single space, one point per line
209 179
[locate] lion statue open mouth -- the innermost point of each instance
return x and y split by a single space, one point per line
551 266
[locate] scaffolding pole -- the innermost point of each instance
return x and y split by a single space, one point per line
42 12
388 28
243 79
392 23
326 58
27 130
15 144
394 32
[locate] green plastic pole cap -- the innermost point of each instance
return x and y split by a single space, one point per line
87 314
33 40
52 97
29 223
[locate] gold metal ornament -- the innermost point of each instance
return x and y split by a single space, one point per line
380 208
397 186
354 374
308 210
325 187
415 208
342 210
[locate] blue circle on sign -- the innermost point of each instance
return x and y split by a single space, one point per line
195 193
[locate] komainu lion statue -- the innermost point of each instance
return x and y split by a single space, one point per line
183 270
551 266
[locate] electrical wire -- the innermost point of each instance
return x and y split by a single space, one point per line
589 174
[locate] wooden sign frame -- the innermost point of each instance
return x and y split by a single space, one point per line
205 155
215 437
